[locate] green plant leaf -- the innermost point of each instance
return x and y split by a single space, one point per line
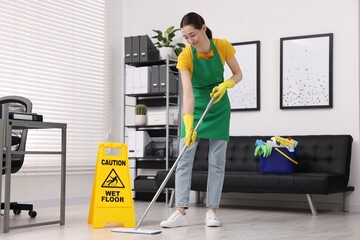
161 38
165 39
178 51
171 35
158 32
169 30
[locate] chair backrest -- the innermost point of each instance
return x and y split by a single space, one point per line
22 105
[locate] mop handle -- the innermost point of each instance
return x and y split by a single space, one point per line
162 186
289 158
211 102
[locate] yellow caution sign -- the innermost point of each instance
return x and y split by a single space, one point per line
111 200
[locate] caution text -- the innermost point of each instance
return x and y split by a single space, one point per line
113 162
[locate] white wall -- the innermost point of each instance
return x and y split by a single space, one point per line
268 21
242 20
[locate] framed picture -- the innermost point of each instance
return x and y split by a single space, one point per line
245 96
306 71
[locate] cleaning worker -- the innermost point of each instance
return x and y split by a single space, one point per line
201 66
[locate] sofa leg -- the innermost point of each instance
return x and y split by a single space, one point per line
172 197
197 197
311 204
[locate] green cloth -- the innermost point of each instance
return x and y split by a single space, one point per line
206 75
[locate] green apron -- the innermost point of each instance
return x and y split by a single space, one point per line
206 75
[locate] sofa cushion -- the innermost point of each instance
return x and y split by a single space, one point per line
324 167
319 183
251 182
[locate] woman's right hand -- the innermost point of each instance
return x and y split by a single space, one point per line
190 134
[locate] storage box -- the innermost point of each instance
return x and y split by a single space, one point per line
277 163
137 142
159 118
157 148
145 188
145 184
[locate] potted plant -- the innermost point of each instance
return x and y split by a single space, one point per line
140 114
165 43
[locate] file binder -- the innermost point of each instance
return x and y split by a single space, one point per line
148 51
154 85
135 49
25 116
128 50
173 81
145 79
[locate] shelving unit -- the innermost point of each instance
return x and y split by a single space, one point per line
169 100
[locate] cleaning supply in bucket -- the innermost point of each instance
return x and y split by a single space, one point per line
276 156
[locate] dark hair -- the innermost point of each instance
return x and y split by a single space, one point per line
196 21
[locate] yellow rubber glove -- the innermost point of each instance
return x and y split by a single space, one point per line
190 134
221 89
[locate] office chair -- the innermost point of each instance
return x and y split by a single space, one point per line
22 105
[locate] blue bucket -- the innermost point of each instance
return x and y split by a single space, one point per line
277 163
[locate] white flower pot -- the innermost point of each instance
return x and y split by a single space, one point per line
167 52
140 120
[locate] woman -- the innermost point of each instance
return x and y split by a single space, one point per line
201 66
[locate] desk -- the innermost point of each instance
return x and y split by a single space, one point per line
6 127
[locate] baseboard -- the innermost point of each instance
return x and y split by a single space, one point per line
354 208
280 204
229 202
56 202
272 200
55 170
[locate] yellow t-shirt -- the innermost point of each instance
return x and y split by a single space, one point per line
223 46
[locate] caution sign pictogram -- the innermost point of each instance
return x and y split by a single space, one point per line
112 181
111 200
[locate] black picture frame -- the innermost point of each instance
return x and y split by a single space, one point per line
306 65
245 96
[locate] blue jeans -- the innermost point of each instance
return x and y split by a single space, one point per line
216 173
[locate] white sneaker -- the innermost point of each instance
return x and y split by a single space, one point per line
211 220
175 220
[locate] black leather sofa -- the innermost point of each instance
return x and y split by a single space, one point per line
324 167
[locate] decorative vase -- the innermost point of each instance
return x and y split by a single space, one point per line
167 52
140 120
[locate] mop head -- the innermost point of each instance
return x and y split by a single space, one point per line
135 230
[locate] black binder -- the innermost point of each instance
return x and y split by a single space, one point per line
148 51
25 116
154 86
128 50
173 80
135 49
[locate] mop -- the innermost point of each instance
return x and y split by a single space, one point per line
137 229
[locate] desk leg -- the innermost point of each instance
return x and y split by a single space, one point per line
8 131
63 175
1 154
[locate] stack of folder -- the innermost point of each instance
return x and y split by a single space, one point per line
140 49
149 79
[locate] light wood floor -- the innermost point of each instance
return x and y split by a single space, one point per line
237 223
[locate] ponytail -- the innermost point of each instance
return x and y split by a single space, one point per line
208 33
